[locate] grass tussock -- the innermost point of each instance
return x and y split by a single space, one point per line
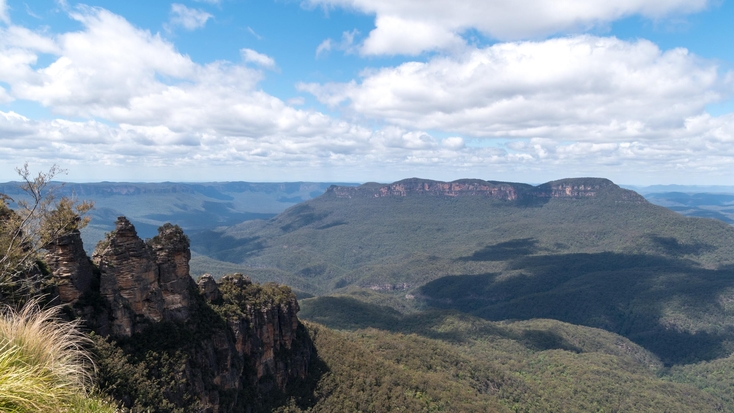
44 366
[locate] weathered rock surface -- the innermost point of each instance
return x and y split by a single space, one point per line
70 267
172 255
267 327
247 339
130 280
208 289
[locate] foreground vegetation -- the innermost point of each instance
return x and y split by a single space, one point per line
43 364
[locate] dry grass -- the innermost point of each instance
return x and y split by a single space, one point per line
43 364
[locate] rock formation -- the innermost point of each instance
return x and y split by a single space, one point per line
208 289
266 330
240 336
71 269
130 280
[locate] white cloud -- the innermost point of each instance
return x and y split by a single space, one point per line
586 87
258 58
395 35
454 142
346 45
407 26
189 19
4 17
90 78
323 47
573 106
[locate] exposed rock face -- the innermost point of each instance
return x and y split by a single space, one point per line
414 186
172 255
208 289
565 188
70 267
130 280
144 283
266 330
248 336
262 347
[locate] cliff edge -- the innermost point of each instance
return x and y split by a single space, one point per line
233 344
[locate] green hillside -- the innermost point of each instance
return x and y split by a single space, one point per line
452 362
333 242
583 251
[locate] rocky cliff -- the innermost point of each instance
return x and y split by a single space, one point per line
72 270
566 188
233 343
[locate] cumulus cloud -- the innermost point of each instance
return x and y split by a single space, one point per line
587 87
572 106
259 59
406 26
396 35
89 78
189 19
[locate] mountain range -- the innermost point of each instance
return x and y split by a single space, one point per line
574 295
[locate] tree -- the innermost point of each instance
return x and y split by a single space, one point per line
37 220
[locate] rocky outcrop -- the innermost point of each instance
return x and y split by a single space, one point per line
262 346
575 188
172 255
265 330
70 267
144 283
242 341
129 281
208 289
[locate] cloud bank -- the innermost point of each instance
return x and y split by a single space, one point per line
543 109
410 27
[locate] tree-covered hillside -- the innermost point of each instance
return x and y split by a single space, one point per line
582 251
331 242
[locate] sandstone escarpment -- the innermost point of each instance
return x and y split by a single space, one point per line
415 186
575 188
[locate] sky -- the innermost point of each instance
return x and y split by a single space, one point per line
637 91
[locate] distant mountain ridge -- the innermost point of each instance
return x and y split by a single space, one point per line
579 250
193 206
508 191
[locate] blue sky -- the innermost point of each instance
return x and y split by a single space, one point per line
640 91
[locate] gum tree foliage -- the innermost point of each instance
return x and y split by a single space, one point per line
37 219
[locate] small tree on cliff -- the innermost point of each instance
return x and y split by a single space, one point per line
37 220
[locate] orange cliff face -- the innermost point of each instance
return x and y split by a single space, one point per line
566 188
